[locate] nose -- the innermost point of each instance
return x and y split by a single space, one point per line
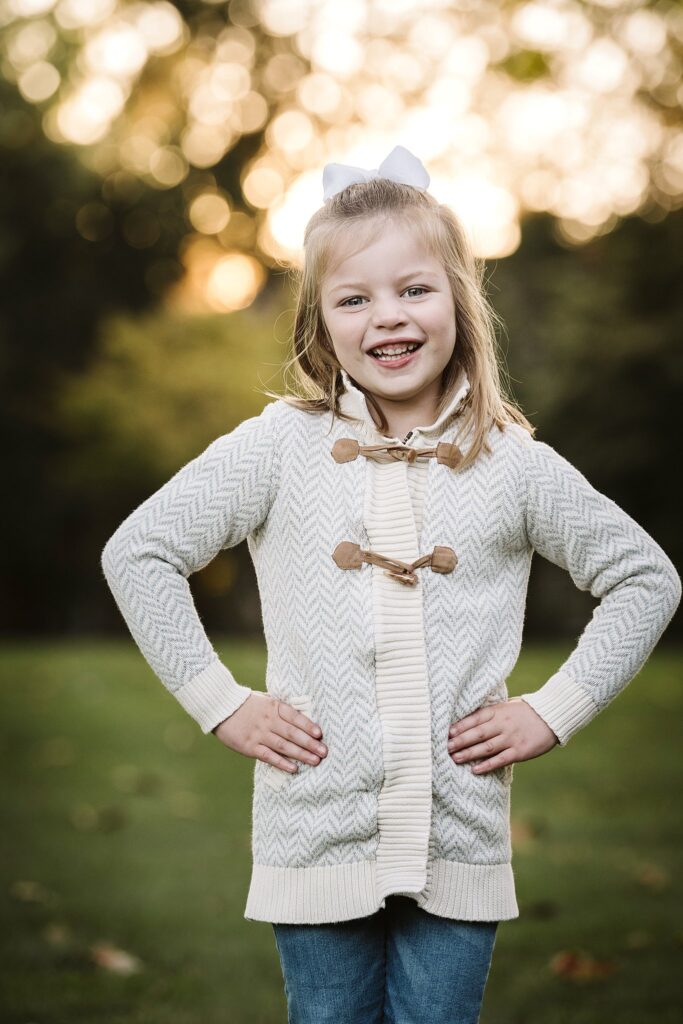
388 312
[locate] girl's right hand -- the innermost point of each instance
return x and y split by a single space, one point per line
267 728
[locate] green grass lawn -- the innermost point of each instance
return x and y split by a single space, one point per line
125 844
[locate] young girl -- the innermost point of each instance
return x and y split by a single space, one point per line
391 515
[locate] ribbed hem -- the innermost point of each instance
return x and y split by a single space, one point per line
563 705
470 892
341 892
212 695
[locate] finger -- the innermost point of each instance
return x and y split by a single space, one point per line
486 749
298 718
269 756
299 729
502 759
477 734
479 717
290 748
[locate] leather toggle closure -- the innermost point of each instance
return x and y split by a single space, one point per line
348 555
346 449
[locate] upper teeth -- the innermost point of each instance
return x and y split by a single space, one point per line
395 350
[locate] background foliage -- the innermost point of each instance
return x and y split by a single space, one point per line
124 350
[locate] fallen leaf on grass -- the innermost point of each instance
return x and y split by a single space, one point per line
83 817
87 818
31 892
654 877
149 783
639 939
137 781
118 961
57 934
578 966
111 819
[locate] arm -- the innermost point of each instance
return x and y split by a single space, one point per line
606 552
212 503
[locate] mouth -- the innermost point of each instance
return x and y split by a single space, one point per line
395 353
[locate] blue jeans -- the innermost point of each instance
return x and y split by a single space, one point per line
400 965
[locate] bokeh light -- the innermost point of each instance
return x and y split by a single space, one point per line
209 213
215 279
39 82
167 166
534 106
85 117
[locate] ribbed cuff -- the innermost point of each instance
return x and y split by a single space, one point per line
563 705
212 695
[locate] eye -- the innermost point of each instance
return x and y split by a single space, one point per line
351 301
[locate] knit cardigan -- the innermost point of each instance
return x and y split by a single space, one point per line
385 664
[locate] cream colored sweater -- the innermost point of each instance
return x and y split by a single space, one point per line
384 667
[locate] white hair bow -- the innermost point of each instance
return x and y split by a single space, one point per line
399 166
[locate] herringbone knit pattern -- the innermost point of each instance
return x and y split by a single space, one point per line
318 836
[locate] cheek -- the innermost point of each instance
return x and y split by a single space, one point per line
345 343
345 329
442 322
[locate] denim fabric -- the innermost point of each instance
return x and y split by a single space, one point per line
400 965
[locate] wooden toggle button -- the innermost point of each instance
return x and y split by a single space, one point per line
448 454
347 555
345 449
444 559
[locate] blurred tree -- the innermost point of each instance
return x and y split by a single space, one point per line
162 388
54 294
596 350
81 238
157 154
593 350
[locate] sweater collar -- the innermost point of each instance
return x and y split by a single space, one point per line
352 402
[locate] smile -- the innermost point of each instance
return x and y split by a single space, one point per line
395 353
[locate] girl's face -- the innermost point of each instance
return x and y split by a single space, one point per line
390 314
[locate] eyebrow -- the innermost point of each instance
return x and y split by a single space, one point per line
402 277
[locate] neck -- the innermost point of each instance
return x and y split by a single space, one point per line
420 418
403 417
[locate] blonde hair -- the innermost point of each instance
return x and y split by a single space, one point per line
317 371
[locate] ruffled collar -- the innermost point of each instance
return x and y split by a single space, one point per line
352 403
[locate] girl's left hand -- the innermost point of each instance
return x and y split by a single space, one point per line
503 733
